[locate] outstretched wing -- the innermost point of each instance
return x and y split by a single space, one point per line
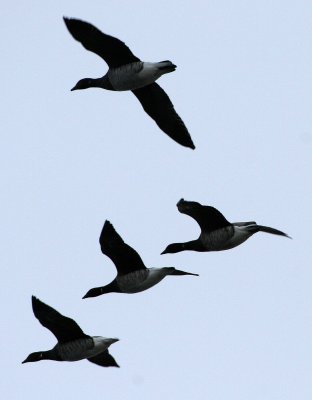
113 51
260 228
125 258
158 106
104 360
208 218
64 329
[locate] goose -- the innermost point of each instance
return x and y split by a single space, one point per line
73 344
217 233
128 72
132 275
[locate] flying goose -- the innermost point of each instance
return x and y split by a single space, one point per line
73 344
217 233
132 275
127 72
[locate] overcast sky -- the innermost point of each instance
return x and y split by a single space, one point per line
70 160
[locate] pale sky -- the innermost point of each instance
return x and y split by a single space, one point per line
70 160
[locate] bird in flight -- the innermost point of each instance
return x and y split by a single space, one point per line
73 344
132 274
217 233
128 72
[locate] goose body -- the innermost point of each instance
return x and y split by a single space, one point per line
73 344
83 348
216 232
132 275
225 238
136 75
128 72
140 280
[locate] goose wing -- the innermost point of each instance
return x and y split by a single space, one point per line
113 51
104 360
63 328
125 258
158 106
208 218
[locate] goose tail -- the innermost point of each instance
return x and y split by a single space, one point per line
166 66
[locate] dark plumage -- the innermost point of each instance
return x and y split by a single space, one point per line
113 51
217 233
127 72
73 344
132 275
